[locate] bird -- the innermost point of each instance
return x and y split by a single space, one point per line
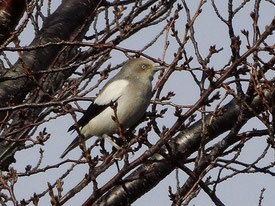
130 90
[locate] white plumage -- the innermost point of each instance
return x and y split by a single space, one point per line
131 89
112 92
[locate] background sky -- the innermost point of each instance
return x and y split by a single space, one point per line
240 190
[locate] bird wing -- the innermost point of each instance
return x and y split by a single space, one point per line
110 93
92 111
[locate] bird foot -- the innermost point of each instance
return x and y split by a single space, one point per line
106 137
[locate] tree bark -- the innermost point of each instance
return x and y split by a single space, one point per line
147 176
69 22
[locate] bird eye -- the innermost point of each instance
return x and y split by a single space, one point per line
143 67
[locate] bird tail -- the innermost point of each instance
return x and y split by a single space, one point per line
73 145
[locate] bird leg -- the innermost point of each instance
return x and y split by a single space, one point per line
106 137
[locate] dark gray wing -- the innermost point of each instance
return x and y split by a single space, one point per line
92 111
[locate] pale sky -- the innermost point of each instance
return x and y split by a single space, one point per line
244 189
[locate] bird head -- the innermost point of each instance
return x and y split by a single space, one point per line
141 68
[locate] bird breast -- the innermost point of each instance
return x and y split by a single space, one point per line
131 106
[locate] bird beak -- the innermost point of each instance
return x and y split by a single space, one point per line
157 67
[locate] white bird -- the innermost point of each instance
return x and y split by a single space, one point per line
130 89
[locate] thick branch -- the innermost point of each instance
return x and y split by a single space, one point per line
10 14
66 23
180 148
